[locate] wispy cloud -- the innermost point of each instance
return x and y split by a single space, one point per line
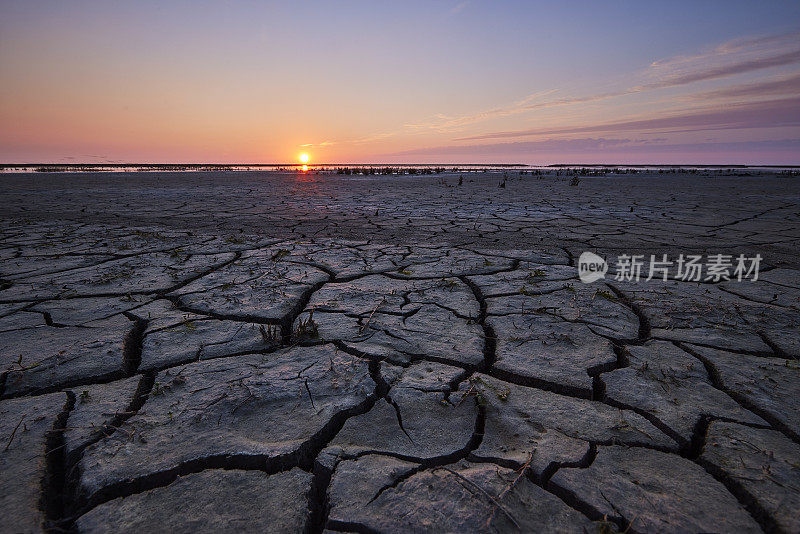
458 8
316 145
358 140
751 46
517 147
771 113
728 59
712 72
443 122
593 146
738 56
786 85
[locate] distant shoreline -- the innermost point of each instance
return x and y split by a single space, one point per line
388 167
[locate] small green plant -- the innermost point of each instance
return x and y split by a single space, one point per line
279 254
31 366
608 295
503 394
118 273
535 276
159 388
185 325
148 235
448 283
84 397
405 272
235 240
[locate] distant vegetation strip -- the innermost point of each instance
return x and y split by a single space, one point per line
412 169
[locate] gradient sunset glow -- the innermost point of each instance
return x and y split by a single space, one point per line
374 82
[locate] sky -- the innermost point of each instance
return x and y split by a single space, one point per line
695 82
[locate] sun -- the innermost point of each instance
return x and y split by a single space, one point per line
304 158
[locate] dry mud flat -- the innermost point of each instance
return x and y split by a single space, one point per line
297 352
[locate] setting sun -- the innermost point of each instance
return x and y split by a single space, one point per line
303 158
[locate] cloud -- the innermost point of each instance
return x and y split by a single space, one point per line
731 58
518 147
324 143
608 146
751 46
446 123
711 72
767 114
781 86
458 8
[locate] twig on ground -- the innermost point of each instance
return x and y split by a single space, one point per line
14 433
521 473
484 492
365 325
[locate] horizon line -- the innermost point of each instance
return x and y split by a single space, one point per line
439 164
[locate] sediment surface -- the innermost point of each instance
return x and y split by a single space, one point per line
318 352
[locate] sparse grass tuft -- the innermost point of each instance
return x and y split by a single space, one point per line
306 330
269 334
605 526
478 388
114 274
144 234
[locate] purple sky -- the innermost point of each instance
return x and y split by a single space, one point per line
432 81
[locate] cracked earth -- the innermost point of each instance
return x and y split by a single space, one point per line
287 352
